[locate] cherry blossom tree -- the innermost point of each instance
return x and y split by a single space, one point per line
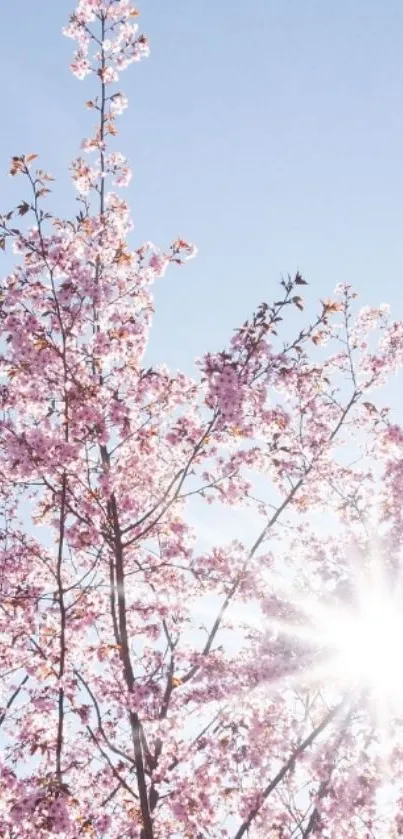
156 684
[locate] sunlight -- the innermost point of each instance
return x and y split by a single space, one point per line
356 627
368 644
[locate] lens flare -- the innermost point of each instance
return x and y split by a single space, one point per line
368 644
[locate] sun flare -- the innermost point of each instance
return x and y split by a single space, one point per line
352 636
368 645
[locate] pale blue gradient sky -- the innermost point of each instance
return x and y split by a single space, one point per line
270 132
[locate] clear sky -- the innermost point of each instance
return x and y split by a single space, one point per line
270 132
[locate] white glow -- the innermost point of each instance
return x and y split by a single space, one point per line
368 645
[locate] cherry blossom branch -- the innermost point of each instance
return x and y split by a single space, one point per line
112 747
330 716
135 724
60 725
314 819
181 475
117 574
113 769
276 515
196 740
12 699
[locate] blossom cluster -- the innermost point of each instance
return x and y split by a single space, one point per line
163 669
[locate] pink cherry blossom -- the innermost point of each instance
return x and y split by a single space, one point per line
185 561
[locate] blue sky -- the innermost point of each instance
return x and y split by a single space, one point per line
268 132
